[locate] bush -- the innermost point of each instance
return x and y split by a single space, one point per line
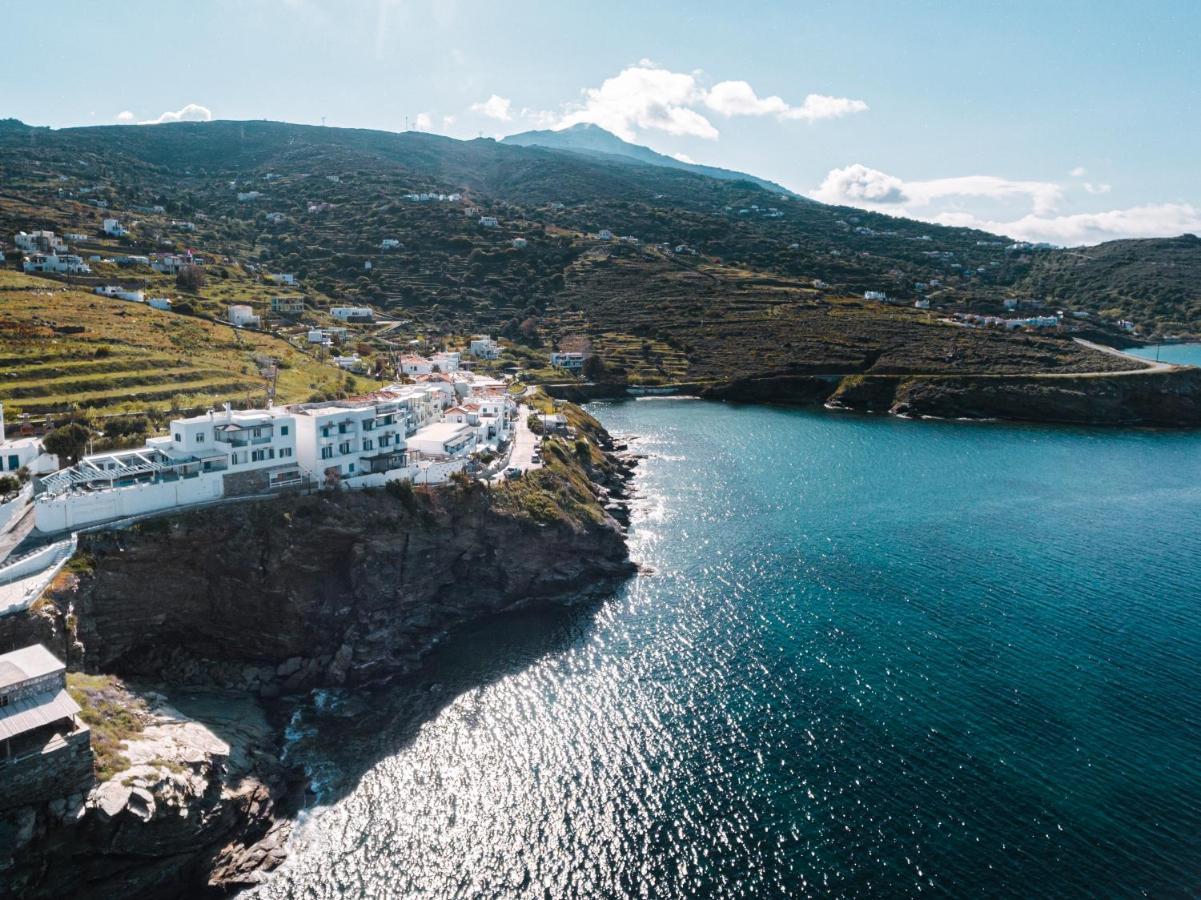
9 484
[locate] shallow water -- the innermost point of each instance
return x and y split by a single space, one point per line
1185 354
874 657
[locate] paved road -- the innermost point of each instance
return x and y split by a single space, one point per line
525 442
1150 365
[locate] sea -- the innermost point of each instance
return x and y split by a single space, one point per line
865 657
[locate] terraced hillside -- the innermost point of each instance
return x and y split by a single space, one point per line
62 349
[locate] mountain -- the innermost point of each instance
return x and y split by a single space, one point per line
593 140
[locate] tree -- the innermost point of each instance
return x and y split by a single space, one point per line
67 442
190 278
594 368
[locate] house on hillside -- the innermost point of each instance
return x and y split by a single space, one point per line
412 365
242 316
605 234
287 306
443 439
40 242
389 244
483 347
875 295
65 264
352 313
275 218
520 243
24 453
571 361
248 196
489 222
114 228
282 278
447 361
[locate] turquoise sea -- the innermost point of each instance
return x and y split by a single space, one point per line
869 657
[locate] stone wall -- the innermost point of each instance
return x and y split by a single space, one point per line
64 767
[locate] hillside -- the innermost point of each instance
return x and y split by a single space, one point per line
711 278
594 140
63 349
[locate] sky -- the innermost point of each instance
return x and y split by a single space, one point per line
1071 122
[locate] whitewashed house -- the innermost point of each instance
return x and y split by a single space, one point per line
447 360
875 295
275 218
114 228
571 361
248 196
605 234
389 244
489 222
24 453
444 439
40 242
483 347
282 277
242 316
58 264
348 439
412 365
520 243
352 313
921 303
287 306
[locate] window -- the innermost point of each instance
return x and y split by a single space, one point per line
344 447
327 452
199 438
178 438
283 430
285 452
350 469
368 444
14 463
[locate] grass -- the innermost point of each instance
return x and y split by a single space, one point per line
113 715
62 348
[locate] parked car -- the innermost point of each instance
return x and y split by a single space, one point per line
513 472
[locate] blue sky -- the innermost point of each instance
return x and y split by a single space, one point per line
1065 121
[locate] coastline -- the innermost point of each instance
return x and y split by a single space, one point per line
265 604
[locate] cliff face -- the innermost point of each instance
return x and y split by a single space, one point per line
261 601
1167 399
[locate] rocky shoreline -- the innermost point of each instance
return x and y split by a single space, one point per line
222 621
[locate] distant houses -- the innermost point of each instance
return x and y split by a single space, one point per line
287 306
483 347
114 228
875 295
570 361
489 222
282 278
353 313
53 263
39 242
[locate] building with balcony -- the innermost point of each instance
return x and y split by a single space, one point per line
347 439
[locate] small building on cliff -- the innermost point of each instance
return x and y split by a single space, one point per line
45 750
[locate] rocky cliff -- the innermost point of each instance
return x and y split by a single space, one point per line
1166 399
263 601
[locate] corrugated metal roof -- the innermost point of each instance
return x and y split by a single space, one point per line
35 711
28 662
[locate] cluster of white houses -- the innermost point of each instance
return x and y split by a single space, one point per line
420 432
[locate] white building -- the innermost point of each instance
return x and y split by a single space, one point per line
605 234
24 453
520 243
287 306
389 244
159 303
39 242
351 438
275 218
282 277
875 295
444 439
60 264
169 263
114 228
247 196
571 361
204 458
350 363
242 316
922 303
483 347
447 360
489 222
352 313
412 364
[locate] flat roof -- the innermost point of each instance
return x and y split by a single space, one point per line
440 431
34 711
29 662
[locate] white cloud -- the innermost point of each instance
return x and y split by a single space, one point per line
125 117
684 158
737 98
193 112
1078 172
1151 220
447 121
647 97
940 200
423 122
858 185
495 107
819 106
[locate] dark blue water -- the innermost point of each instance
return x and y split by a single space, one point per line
875 657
